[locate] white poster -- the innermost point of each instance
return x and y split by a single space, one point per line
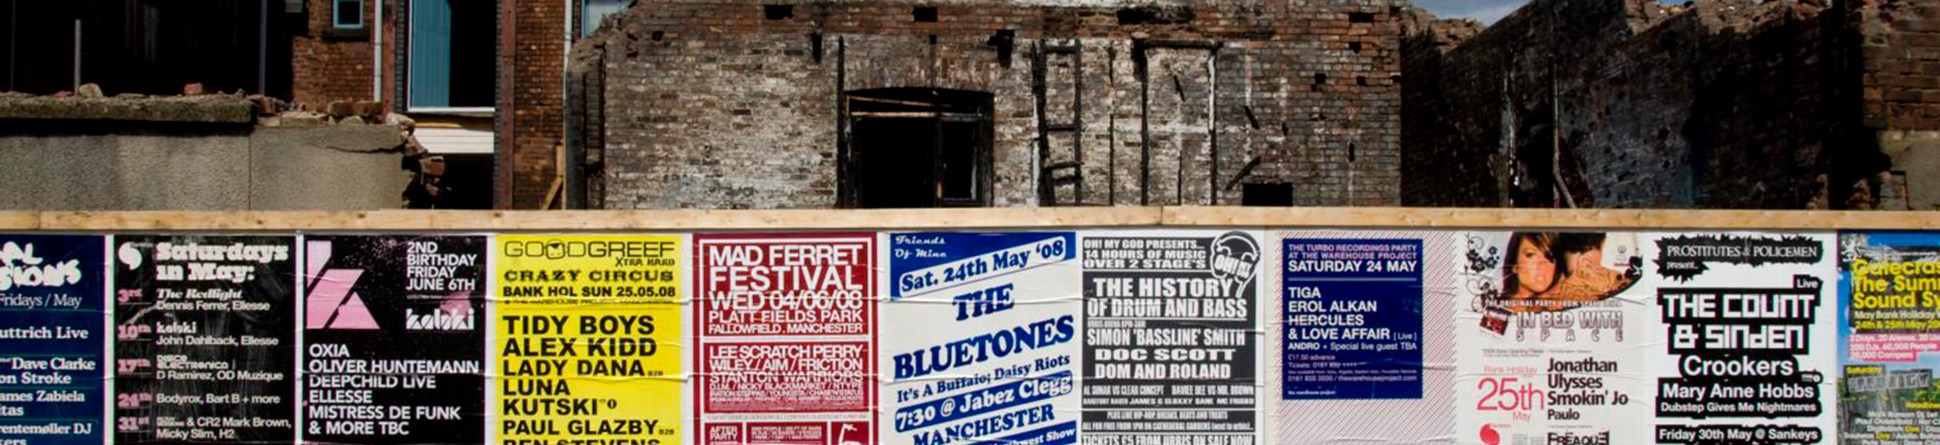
1748 351
1359 326
1585 338
981 338
1553 337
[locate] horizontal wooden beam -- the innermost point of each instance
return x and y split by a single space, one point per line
1634 219
581 220
940 219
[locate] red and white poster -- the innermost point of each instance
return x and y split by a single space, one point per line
785 338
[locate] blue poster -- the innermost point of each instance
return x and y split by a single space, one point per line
52 320
986 339
1889 337
1352 319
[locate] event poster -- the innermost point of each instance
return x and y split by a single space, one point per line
1361 336
205 341
785 338
1746 348
1171 337
1351 318
588 340
53 325
987 338
393 351
1708 337
1554 339
1890 330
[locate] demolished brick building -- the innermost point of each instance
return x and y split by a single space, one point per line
895 103
482 79
1779 104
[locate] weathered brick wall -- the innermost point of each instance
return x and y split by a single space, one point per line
710 104
537 99
328 68
1721 104
1900 40
1438 166
1902 51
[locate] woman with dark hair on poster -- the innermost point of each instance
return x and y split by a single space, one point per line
1557 271
1531 270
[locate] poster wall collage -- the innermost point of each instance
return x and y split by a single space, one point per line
1188 336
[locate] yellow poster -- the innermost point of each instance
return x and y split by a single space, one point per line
588 339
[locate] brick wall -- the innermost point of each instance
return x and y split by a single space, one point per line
1717 104
711 104
1902 51
329 66
537 98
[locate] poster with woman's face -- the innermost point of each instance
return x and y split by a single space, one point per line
1647 337
1550 328
1547 271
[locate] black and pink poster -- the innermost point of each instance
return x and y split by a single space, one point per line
393 350
205 339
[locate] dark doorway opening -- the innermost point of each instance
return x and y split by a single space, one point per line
917 147
470 179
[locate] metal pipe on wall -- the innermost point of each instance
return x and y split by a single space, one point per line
77 56
377 54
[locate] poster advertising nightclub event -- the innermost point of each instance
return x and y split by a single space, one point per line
1748 330
1172 337
1202 336
1361 336
394 339
987 338
205 339
1542 353
786 338
1579 337
1889 337
53 329
588 338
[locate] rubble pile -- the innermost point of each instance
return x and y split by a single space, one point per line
196 104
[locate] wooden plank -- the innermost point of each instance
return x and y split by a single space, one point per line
1446 218
19 220
948 116
880 100
922 219
585 220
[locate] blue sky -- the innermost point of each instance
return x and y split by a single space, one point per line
1487 11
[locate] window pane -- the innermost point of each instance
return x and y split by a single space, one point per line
595 11
430 49
350 13
453 62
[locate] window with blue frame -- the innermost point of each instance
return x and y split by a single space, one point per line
453 60
592 12
347 13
